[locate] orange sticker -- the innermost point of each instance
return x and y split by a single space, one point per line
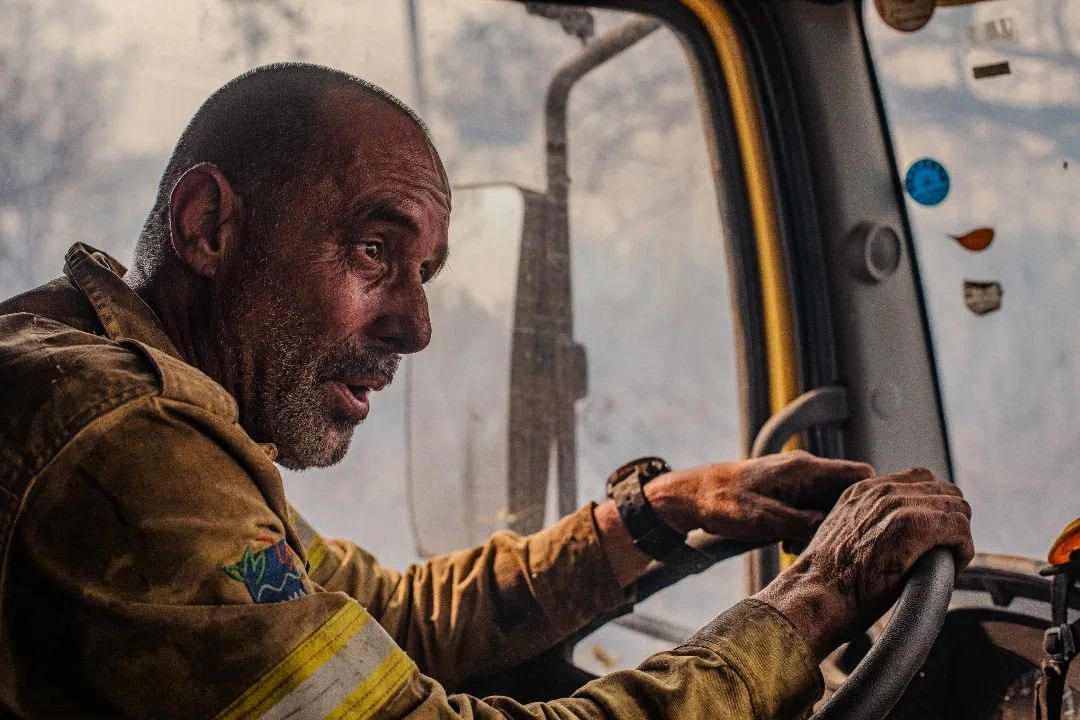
976 240
905 15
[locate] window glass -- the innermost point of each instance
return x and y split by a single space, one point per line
95 93
649 303
983 105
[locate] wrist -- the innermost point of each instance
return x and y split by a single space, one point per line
650 533
626 562
819 612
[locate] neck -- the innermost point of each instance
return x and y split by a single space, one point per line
181 309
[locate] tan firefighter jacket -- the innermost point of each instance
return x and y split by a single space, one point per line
153 569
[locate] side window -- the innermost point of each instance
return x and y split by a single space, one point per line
652 307
584 319
982 104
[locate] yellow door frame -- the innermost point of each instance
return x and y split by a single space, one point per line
750 135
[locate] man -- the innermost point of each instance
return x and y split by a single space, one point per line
154 568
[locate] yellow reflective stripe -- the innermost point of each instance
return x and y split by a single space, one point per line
299 665
316 551
376 690
315 547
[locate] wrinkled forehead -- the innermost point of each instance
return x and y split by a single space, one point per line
371 132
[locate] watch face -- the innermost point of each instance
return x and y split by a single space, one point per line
646 468
927 182
649 468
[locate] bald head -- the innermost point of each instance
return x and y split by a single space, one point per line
265 130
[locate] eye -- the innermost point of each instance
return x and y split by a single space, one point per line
368 254
371 249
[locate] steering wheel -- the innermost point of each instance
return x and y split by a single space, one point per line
876 684
879 680
871 690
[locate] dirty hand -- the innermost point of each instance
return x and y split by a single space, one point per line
855 566
777 497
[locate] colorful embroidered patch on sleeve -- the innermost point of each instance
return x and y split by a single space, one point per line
270 574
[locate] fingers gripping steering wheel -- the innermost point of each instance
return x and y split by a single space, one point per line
871 690
877 683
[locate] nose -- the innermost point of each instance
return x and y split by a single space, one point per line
405 325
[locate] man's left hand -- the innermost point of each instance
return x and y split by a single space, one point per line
777 497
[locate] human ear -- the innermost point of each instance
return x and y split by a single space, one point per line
204 218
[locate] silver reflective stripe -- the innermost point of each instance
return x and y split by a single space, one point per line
349 667
366 667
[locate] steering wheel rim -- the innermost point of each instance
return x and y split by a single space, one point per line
879 680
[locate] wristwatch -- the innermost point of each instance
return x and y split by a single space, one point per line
650 534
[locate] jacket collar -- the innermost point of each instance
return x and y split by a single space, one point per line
122 313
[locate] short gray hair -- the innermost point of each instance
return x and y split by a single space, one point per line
261 130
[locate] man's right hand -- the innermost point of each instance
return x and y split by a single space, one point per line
856 565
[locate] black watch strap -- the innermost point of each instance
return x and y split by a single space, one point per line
650 534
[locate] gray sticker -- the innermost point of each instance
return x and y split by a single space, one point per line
982 297
991 70
992 32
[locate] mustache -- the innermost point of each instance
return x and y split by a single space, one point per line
379 364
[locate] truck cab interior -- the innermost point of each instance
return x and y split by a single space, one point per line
698 229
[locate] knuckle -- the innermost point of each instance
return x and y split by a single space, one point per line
881 490
907 518
793 460
949 488
960 523
912 475
850 493
862 488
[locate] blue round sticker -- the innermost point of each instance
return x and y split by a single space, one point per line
927 182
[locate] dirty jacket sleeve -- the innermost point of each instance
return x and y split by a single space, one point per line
479 610
159 577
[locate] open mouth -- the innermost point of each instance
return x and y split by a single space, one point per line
351 398
358 391
350 385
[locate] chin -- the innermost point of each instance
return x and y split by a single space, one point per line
303 454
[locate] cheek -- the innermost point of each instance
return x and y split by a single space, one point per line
344 309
